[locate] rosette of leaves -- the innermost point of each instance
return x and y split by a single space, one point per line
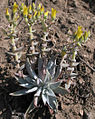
45 85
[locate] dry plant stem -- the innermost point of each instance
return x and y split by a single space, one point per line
87 64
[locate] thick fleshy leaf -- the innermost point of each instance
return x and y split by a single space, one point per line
65 65
46 50
37 94
30 80
30 70
52 102
73 74
19 49
70 68
58 72
47 77
54 85
35 101
20 80
27 85
49 92
16 39
23 92
52 67
32 90
22 67
67 86
75 64
44 98
19 93
61 91
11 53
41 68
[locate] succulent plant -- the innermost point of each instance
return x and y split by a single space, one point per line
45 85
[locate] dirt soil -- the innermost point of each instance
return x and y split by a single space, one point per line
80 103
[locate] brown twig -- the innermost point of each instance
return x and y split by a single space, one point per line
87 64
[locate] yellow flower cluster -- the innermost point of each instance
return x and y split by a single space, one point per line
25 11
15 7
79 32
36 13
31 12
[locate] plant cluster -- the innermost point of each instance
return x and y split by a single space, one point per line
50 75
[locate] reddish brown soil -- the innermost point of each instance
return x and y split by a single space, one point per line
80 103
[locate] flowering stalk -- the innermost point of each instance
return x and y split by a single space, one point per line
29 14
14 48
12 33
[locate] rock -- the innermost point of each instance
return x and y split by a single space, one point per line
91 115
93 80
54 1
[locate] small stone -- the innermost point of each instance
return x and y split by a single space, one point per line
81 112
54 1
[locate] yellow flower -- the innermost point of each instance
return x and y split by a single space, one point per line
39 14
35 14
79 32
25 11
22 5
39 6
46 14
29 16
15 7
53 13
33 5
7 12
17 18
30 9
42 9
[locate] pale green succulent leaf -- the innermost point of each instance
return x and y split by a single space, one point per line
60 90
44 98
54 85
58 72
37 94
30 80
24 92
65 65
47 77
52 67
27 85
75 64
30 70
19 49
20 80
52 102
41 67
50 92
